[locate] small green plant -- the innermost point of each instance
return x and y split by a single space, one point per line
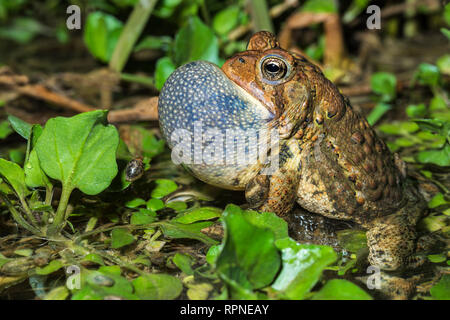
258 260
79 152
384 85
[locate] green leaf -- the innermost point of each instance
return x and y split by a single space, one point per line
441 290
101 34
21 127
437 200
137 202
447 13
316 50
165 8
439 157
14 175
446 32
320 6
150 145
225 20
198 214
53 266
377 112
416 110
155 204
268 220
17 156
184 263
3 260
125 3
163 188
384 83
338 289
437 258
177 205
438 103
106 282
199 291
121 238
388 128
302 267
427 74
354 10
433 223
190 231
157 287
95 258
212 254
79 151
443 63
195 41
5 129
22 30
404 142
34 176
164 68
430 124
143 217
24 252
249 256
154 43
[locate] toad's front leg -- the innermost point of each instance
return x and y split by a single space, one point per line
277 191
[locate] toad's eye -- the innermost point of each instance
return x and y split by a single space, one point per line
273 68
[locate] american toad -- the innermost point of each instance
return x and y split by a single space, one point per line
330 161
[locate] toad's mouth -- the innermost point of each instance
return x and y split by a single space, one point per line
201 91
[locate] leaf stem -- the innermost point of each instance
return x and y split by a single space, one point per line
60 217
18 217
130 33
48 195
28 212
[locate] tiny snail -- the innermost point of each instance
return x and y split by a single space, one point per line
134 169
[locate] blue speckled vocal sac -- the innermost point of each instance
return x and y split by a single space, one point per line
199 93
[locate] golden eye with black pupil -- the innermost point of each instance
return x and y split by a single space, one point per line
273 69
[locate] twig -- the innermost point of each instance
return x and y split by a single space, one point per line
42 93
145 110
334 49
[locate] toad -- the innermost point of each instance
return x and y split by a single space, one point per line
328 158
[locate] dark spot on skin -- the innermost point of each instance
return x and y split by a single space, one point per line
357 138
331 113
285 154
235 182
